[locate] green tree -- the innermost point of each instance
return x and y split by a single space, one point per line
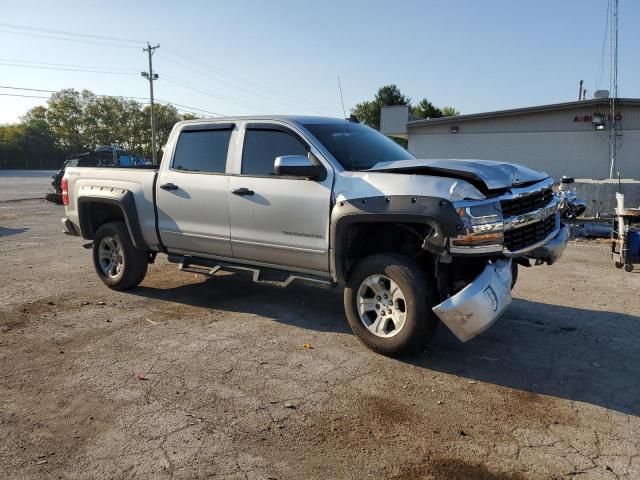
10 151
166 117
450 112
426 109
74 122
30 144
65 116
369 112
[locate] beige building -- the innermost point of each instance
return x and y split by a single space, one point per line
561 139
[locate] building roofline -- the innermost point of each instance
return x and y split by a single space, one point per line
521 111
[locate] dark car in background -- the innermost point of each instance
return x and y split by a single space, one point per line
103 156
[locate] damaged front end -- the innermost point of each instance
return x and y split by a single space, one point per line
475 275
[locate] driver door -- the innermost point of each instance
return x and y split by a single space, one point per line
278 220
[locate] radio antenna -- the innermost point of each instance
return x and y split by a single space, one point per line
344 112
346 121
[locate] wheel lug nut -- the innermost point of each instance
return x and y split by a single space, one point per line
386 296
389 311
377 306
378 298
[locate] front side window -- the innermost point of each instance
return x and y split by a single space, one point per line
261 147
202 151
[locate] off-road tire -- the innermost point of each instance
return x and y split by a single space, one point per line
135 262
514 274
420 296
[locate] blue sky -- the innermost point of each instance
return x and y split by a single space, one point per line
284 56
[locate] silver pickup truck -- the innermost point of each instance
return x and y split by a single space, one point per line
328 202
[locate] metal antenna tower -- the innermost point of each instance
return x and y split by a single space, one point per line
613 88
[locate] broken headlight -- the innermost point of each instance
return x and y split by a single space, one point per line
483 222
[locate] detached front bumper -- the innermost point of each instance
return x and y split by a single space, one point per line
478 305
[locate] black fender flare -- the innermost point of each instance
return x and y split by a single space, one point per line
394 208
121 198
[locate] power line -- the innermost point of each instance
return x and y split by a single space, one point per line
34 31
77 40
191 108
92 69
211 94
65 69
18 95
73 34
72 65
30 89
238 78
235 85
168 102
56 91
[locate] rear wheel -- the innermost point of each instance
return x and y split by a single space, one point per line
388 301
118 263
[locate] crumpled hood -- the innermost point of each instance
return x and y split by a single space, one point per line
485 175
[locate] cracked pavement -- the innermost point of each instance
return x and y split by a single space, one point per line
194 377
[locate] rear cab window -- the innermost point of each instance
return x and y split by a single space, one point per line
203 150
262 145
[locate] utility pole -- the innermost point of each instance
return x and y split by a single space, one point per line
151 77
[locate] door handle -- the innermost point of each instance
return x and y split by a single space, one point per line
242 191
169 186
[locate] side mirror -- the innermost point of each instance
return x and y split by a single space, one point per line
298 166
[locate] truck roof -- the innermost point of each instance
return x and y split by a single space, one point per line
301 119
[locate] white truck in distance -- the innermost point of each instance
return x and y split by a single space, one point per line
329 202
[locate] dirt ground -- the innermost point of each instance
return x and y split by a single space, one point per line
193 377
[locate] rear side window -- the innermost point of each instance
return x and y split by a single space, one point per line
202 151
261 147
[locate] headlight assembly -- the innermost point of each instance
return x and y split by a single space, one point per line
483 222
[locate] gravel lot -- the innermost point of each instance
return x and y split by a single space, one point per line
194 377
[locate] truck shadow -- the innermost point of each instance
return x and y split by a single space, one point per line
6 231
584 355
577 354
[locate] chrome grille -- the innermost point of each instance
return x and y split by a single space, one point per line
526 203
523 237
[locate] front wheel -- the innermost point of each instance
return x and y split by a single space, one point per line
118 263
388 300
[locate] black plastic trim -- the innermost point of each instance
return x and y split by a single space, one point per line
395 208
278 128
124 199
207 127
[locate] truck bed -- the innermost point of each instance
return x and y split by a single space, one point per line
140 180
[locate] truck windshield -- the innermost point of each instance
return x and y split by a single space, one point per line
356 146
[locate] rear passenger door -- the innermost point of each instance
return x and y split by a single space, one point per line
278 220
193 193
